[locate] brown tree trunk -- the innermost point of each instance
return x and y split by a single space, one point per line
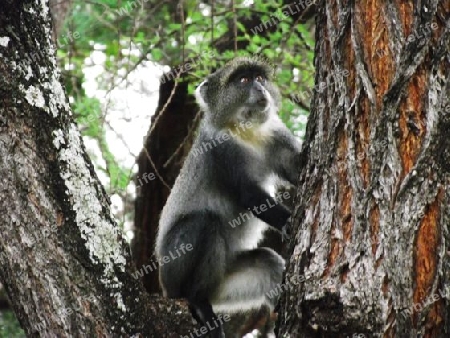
170 140
59 10
370 254
63 260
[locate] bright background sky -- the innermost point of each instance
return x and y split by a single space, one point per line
128 109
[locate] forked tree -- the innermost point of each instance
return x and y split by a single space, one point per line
369 238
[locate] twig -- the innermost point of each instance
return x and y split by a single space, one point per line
191 129
153 125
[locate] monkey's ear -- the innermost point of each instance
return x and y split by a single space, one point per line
200 95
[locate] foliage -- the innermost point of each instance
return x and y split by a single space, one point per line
9 326
129 34
161 32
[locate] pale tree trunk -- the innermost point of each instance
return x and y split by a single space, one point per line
63 261
370 250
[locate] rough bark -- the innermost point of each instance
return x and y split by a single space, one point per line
370 251
63 261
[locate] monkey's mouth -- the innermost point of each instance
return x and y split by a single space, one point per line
262 102
255 114
258 105
255 110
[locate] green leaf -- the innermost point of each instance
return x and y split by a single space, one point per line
156 54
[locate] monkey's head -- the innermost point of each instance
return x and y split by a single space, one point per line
240 91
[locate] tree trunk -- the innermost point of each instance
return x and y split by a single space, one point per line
170 139
63 261
370 255
59 10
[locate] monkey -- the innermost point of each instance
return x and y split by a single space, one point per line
241 151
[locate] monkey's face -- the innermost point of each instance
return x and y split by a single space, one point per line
239 92
252 98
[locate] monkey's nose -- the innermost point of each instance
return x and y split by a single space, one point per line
262 101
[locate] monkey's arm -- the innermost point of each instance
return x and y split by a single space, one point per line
285 152
240 178
262 205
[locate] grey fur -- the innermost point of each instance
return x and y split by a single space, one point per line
224 175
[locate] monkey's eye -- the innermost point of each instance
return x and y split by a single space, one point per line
245 79
260 78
